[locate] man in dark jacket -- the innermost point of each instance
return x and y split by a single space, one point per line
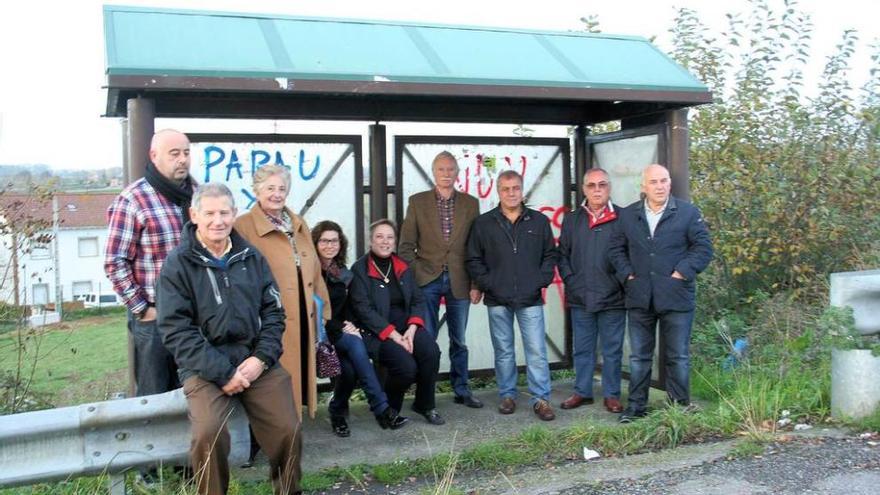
662 245
220 316
511 256
593 294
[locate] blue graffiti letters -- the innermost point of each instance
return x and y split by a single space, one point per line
227 156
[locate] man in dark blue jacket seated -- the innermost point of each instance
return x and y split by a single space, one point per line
662 245
511 255
220 316
592 293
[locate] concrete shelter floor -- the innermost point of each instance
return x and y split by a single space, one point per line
464 428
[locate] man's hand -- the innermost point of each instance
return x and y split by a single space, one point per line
476 296
237 384
251 368
149 314
677 275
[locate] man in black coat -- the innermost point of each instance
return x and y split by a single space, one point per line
662 245
592 292
511 256
220 316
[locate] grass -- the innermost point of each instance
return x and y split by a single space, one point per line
73 362
747 448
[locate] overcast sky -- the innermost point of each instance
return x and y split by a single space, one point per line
52 54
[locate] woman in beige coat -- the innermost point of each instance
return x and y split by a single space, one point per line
284 239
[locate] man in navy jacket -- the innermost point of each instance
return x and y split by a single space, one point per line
592 292
662 245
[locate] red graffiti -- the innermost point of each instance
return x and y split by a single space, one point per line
481 180
485 169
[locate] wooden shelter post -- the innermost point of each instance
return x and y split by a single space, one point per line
141 115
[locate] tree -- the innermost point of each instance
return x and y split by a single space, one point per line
787 182
24 223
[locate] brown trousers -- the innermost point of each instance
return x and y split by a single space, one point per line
271 411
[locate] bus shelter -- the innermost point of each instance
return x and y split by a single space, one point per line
166 63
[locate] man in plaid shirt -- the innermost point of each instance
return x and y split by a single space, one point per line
145 222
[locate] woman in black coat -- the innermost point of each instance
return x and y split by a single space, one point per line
389 306
331 246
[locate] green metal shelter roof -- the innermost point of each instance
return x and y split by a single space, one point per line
183 57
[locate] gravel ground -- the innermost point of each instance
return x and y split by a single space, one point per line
798 466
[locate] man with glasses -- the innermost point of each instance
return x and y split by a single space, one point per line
660 248
593 294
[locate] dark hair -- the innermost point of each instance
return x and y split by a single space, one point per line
329 225
383 221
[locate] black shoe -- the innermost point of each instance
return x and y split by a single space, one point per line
390 419
629 415
340 426
468 400
432 416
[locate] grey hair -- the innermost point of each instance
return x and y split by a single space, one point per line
211 190
506 175
263 173
444 155
597 169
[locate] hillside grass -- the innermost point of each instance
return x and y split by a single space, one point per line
72 362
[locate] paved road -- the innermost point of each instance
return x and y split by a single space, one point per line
848 466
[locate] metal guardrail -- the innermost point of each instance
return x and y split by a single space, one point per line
103 438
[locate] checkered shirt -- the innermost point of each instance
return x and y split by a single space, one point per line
144 227
446 209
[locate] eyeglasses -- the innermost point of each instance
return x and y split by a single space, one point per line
597 185
328 241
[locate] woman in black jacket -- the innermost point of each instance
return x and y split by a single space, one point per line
331 246
389 305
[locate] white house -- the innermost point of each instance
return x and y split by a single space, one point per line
82 235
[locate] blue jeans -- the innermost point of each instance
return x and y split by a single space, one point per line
355 363
675 326
456 321
531 326
608 327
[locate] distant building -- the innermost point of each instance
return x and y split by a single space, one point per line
27 271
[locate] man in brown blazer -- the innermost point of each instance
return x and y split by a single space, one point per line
433 240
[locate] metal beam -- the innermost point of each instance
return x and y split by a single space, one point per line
378 173
678 163
580 161
499 109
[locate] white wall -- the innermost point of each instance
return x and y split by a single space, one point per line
73 267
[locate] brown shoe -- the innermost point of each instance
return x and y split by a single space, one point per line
574 401
613 405
507 406
544 411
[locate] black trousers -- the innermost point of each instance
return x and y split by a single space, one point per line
404 369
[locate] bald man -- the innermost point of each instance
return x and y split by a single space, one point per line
145 222
660 248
